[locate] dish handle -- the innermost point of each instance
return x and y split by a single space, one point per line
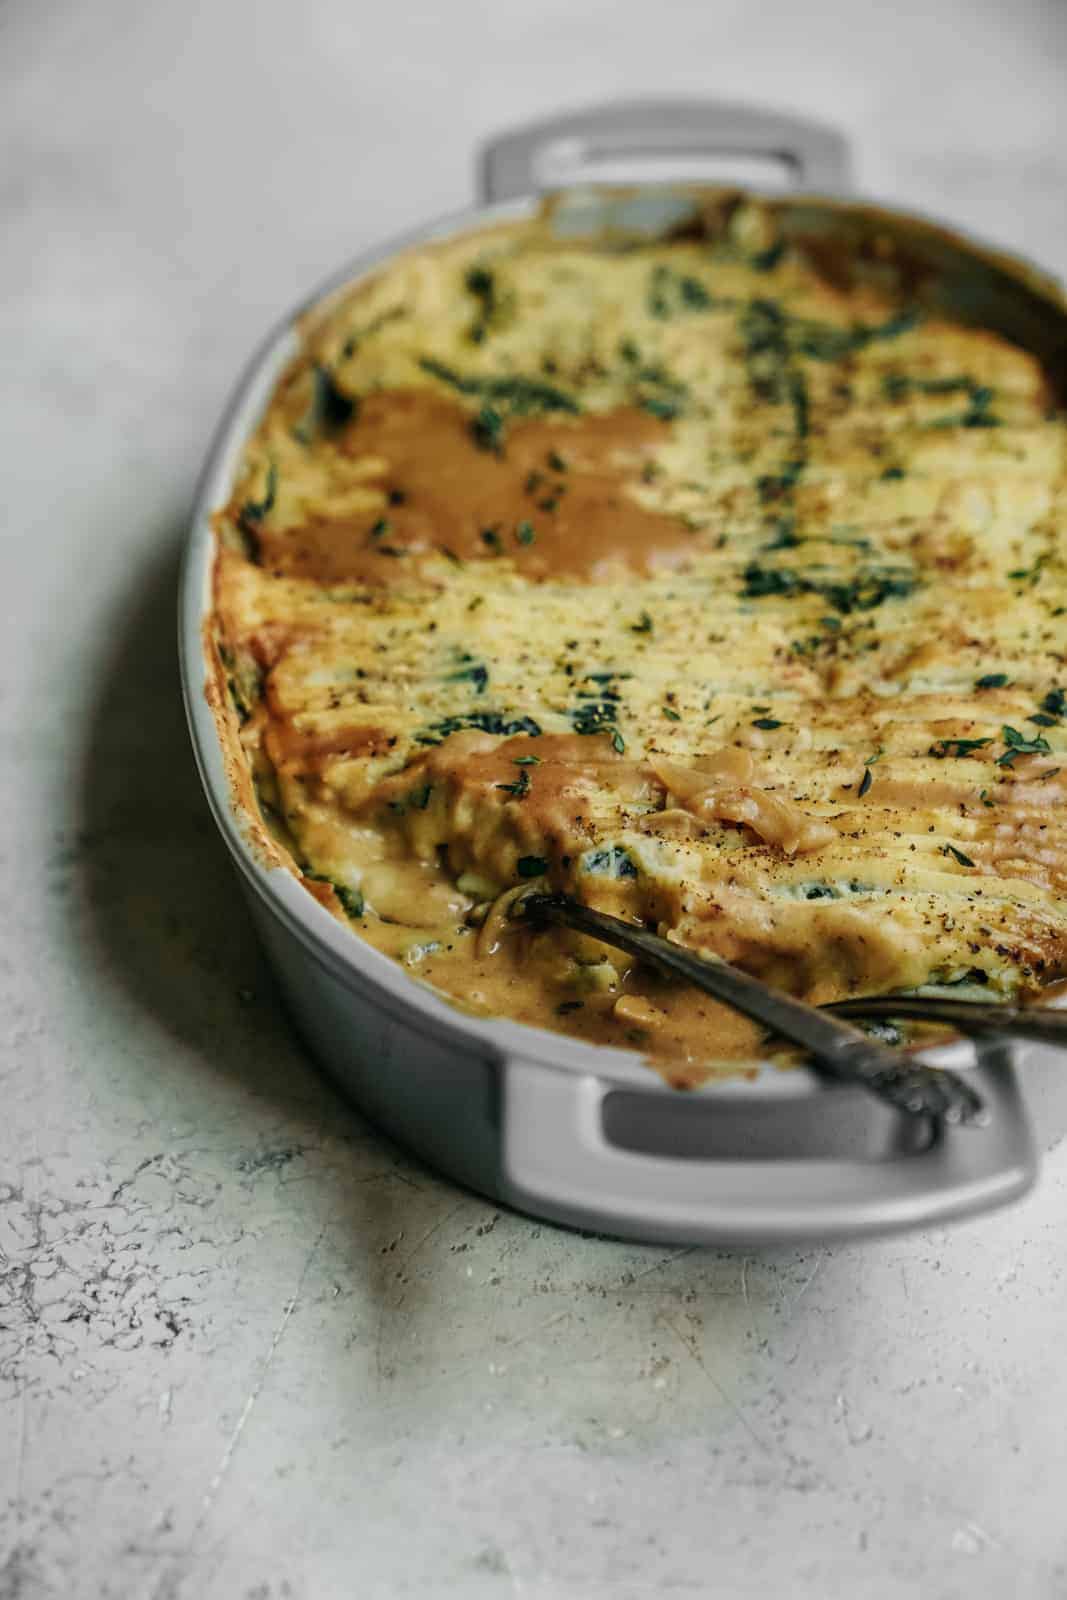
570 148
559 1161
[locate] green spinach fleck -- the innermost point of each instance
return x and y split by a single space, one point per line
475 673
862 593
484 721
672 293
329 410
614 862
519 395
256 510
520 788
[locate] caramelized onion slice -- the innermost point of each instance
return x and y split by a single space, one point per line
723 796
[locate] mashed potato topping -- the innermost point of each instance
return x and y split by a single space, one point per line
678 576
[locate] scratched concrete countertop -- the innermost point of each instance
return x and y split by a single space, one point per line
248 1348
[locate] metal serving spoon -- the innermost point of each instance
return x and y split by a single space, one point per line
838 1049
1038 1022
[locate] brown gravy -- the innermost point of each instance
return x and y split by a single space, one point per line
554 500
682 1031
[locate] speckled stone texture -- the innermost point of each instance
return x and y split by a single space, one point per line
248 1349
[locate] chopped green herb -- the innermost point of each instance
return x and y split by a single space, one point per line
670 293
243 681
1018 745
484 721
891 474
526 761
1055 703
1029 574
665 410
898 387
766 723
956 747
992 680
520 788
520 395
862 593
958 855
491 537
822 342
487 430
783 534
670 713
256 510
352 902
330 409
772 486
525 533
476 674
600 708
766 260
643 624
381 528
614 862
865 782
556 461
762 581
980 398
480 283
531 866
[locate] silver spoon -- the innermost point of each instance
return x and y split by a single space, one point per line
1038 1022
838 1049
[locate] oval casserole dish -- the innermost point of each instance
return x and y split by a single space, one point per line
618 540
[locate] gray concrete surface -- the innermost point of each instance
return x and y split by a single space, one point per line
247 1348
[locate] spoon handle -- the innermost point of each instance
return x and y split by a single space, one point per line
840 1050
1040 1023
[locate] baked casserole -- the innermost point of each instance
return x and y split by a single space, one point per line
706 579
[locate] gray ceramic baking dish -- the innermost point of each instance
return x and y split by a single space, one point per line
581 1134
